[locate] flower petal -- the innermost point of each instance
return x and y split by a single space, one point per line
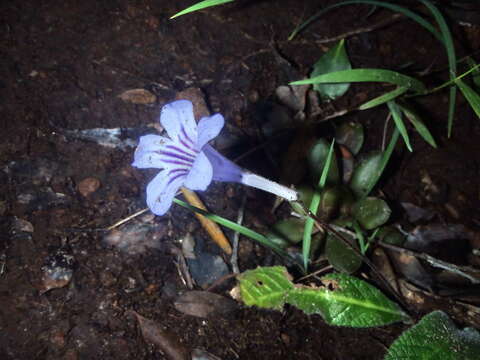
223 169
147 154
200 175
209 128
177 118
162 189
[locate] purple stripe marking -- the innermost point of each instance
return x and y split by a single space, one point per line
173 147
175 177
177 156
176 162
184 133
186 145
181 170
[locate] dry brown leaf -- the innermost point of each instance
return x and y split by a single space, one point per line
166 342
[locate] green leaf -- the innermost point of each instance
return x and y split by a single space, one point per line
447 40
387 5
384 98
335 59
397 118
340 256
317 159
346 301
371 212
199 6
307 231
383 163
235 227
291 229
419 125
265 287
436 337
365 173
471 95
351 135
366 75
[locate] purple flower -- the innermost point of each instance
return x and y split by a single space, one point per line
187 160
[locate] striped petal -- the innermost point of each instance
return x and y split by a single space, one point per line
147 153
209 128
200 175
178 120
162 189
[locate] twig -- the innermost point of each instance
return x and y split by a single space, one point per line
236 235
123 221
459 270
361 30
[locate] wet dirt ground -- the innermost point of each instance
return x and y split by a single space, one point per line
63 68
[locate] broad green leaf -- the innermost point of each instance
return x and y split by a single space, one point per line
365 173
471 95
383 163
371 212
291 229
366 75
265 287
382 99
419 125
436 337
397 118
340 256
346 301
335 59
317 158
351 135
199 6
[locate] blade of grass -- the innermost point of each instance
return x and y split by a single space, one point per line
393 7
309 222
397 118
366 75
235 227
471 95
419 125
386 157
383 98
447 40
199 6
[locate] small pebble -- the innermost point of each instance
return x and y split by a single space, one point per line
88 186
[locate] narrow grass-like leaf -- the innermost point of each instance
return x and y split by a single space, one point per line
436 337
393 7
265 287
384 98
366 75
346 301
419 125
447 40
199 6
335 59
235 227
307 232
397 118
471 95
384 161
